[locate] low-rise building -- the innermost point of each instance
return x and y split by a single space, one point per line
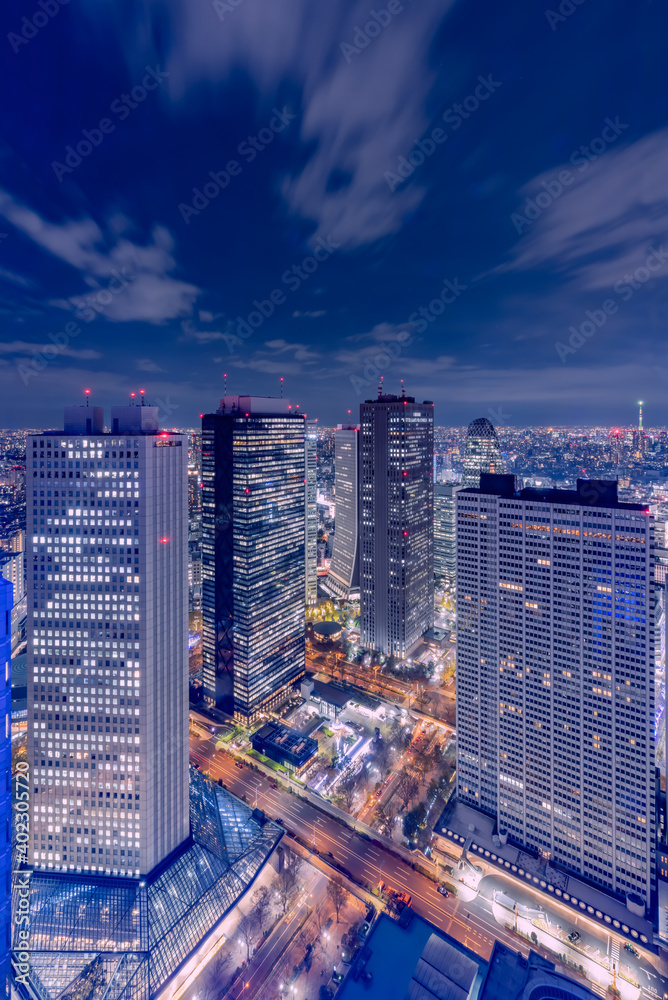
284 745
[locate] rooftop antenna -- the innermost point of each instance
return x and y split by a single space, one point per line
281 387
403 389
141 393
225 385
132 398
87 395
380 386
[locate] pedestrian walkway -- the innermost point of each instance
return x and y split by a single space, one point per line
462 825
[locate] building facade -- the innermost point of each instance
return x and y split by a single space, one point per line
253 541
343 578
555 674
107 643
445 521
6 604
482 452
396 523
311 512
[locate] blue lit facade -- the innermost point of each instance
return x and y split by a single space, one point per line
96 936
6 605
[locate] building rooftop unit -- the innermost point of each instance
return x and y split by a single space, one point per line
283 744
426 964
588 492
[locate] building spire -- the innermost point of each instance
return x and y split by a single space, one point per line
640 417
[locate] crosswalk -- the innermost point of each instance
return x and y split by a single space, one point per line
614 953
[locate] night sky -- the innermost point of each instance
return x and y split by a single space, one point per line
472 197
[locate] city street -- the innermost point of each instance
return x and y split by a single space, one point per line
473 923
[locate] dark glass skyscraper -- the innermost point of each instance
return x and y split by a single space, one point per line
253 535
396 523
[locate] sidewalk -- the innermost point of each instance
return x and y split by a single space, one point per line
464 825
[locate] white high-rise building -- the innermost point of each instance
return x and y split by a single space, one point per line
445 519
107 531
555 674
343 578
311 500
396 523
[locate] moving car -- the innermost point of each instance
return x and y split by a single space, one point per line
574 937
629 947
443 891
238 763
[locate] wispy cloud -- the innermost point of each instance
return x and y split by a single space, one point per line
26 349
603 225
153 294
279 357
356 116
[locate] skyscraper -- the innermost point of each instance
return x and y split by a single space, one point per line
107 642
6 604
396 523
130 866
253 541
555 673
482 452
311 500
343 578
445 519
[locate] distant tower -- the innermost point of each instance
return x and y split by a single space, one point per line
640 417
482 452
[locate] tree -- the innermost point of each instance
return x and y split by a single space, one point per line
413 819
338 894
262 905
382 755
407 786
217 972
287 878
246 929
348 790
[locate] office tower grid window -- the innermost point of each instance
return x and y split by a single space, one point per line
107 646
555 674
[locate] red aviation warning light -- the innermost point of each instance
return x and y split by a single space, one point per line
163 541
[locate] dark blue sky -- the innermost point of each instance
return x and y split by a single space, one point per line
464 261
